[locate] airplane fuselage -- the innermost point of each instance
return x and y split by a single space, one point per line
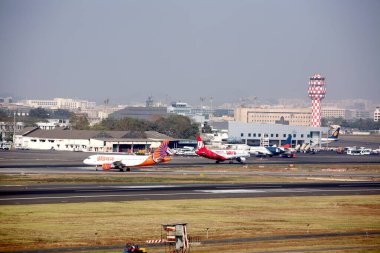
222 155
121 161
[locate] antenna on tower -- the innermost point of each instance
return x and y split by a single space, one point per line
106 102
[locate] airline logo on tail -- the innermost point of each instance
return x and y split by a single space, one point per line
288 142
160 153
200 142
335 134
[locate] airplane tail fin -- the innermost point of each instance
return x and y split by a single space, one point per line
335 134
288 142
200 142
160 153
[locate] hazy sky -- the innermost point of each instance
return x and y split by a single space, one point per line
182 50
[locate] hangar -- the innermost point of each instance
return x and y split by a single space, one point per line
89 140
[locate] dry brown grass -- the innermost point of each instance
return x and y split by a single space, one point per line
200 175
106 223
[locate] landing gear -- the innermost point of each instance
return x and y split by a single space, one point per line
124 169
217 161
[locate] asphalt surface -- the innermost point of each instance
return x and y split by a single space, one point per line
43 194
54 159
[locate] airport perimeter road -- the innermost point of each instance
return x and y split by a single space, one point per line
43 194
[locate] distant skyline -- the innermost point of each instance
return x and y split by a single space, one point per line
183 50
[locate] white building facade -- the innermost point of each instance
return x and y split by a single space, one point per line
376 114
293 116
254 134
85 140
61 103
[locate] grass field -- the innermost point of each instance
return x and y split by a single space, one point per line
115 223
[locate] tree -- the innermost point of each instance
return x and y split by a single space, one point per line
125 124
79 121
361 124
177 126
60 114
4 116
39 113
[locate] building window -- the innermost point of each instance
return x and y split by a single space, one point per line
254 135
249 135
308 136
294 135
241 135
276 135
259 135
284 135
271 135
301 135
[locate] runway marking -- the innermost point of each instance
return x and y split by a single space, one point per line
143 186
196 192
230 191
102 196
12 185
335 179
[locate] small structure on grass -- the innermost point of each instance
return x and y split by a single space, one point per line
176 237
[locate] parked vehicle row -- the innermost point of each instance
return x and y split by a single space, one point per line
361 151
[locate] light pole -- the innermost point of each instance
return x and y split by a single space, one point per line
14 129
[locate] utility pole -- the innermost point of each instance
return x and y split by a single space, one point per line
211 111
202 100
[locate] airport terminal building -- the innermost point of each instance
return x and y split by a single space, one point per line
257 134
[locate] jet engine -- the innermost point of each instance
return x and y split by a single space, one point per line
106 166
241 159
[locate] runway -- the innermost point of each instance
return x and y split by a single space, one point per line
44 194
59 159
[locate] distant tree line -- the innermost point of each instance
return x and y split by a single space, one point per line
36 115
361 124
176 126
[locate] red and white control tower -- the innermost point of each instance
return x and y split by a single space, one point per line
317 92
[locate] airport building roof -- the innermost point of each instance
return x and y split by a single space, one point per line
90 134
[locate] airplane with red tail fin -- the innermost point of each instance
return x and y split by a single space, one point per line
221 155
124 162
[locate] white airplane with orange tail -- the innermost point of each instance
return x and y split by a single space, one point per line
125 162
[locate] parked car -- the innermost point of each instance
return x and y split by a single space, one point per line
5 146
